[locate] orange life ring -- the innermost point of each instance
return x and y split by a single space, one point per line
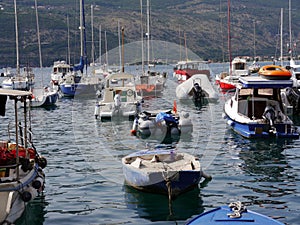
274 72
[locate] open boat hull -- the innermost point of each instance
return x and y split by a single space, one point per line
171 173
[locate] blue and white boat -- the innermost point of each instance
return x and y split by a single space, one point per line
234 214
162 171
43 97
256 110
77 82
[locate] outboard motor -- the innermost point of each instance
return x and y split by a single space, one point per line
198 94
269 114
293 96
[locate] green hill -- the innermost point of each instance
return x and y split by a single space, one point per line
203 21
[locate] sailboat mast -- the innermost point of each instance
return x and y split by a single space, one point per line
92 25
185 46
229 36
100 46
81 28
38 33
120 47
290 27
68 52
17 38
281 34
179 43
106 53
142 35
148 32
254 39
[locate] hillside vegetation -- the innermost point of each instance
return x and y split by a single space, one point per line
204 23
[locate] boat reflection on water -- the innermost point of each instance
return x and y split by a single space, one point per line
34 213
155 207
267 160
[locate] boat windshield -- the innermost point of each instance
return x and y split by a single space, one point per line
262 92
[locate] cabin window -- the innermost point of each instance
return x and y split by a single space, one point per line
265 92
240 66
245 93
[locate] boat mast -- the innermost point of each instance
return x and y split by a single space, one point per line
100 45
83 55
121 62
123 68
38 33
281 34
92 25
106 53
229 37
185 46
254 40
290 28
142 36
179 34
17 38
148 33
69 55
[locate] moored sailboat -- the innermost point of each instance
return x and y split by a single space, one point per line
77 82
22 80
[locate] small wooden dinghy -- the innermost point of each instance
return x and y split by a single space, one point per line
162 171
274 72
234 214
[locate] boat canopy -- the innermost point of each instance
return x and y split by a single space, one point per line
259 82
13 94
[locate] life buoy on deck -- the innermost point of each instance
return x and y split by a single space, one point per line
274 72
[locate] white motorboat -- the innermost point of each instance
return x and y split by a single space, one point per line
256 110
119 98
59 70
229 80
184 70
21 167
151 84
20 81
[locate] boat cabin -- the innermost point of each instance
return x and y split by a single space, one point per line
239 67
61 67
254 94
122 84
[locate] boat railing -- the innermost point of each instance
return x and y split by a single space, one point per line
24 135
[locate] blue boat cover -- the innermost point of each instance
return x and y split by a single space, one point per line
162 116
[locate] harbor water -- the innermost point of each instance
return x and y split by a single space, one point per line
85 184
